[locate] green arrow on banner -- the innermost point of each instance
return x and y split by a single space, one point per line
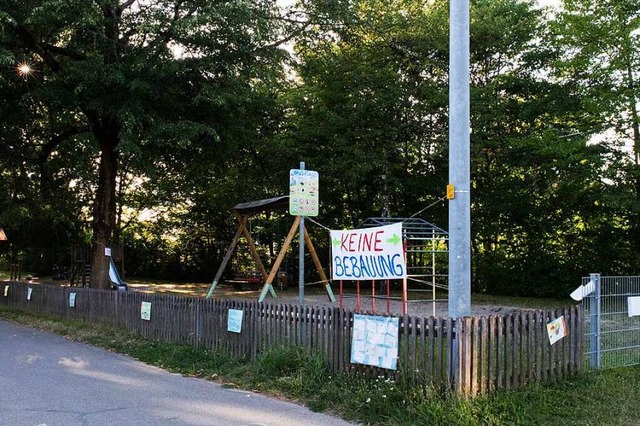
394 240
335 242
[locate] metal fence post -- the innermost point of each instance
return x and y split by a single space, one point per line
595 321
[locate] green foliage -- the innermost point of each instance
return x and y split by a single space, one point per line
373 95
599 47
185 109
148 91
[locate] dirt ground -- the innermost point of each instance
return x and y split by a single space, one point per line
393 306
316 296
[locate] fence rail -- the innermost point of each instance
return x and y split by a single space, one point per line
495 352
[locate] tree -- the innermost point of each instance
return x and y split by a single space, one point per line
374 102
132 76
369 114
600 45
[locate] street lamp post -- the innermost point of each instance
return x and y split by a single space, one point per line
459 173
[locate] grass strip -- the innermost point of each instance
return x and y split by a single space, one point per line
610 397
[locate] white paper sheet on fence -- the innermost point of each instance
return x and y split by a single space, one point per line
145 311
634 305
556 329
6 291
234 320
583 291
72 300
375 341
29 293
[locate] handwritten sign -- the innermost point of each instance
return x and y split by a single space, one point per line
375 341
303 192
6 291
368 254
234 320
29 293
145 311
72 300
556 329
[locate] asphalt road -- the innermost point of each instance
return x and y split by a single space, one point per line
48 380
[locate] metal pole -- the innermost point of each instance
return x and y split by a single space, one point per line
459 173
433 274
595 320
459 163
301 255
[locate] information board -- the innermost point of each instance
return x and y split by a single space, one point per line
304 197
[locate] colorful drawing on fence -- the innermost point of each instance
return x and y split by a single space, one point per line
6 291
234 320
72 300
556 329
368 254
634 305
375 341
29 293
145 311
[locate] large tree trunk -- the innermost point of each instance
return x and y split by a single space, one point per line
107 132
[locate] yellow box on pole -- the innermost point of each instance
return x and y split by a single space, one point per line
451 193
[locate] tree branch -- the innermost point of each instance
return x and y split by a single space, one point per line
29 41
124 6
53 143
65 52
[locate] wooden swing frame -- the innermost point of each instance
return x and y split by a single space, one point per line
244 212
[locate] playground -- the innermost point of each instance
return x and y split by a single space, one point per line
482 305
422 291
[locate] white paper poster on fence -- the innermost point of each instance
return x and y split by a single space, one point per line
634 305
6 291
72 300
368 254
234 320
145 311
556 329
29 292
375 341
107 251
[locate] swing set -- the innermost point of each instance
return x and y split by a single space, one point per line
244 212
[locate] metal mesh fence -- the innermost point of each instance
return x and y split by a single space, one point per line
612 334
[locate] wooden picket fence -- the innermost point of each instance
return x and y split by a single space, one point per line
495 352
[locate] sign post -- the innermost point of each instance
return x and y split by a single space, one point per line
303 201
